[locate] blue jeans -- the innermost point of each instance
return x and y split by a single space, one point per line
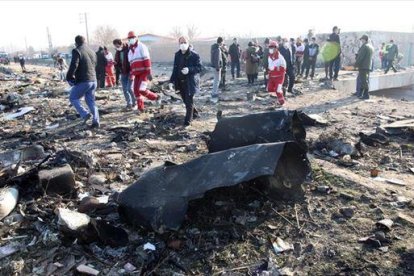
127 89
85 89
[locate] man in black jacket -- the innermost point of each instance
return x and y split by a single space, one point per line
100 67
306 63
185 77
82 77
235 54
287 52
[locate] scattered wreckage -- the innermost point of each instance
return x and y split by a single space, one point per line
159 199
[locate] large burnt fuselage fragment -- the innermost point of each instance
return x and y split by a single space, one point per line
159 199
268 127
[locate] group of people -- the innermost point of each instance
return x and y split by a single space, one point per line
135 64
282 60
388 55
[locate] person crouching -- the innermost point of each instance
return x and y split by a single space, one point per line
276 70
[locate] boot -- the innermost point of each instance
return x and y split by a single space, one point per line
357 94
364 95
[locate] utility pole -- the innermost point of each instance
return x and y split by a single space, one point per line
49 38
25 42
83 17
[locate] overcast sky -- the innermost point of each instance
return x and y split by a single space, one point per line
29 19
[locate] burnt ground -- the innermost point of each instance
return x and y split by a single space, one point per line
229 231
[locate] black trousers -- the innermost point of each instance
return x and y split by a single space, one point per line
190 111
100 77
305 66
289 80
117 75
311 66
390 65
235 65
250 78
334 66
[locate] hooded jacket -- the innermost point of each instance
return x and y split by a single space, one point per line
216 58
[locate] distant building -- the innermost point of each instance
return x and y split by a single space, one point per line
152 38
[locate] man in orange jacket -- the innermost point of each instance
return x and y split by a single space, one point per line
276 69
140 63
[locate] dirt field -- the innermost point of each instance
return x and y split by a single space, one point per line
229 231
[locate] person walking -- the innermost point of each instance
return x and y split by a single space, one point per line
122 65
392 54
100 67
186 78
305 63
335 63
252 62
265 59
363 63
140 64
313 56
224 57
62 66
82 77
22 61
109 68
216 59
287 53
235 55
277 69
300 51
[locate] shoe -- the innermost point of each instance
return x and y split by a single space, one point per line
335 79
95 125
214 99
86 118
356 94
159 99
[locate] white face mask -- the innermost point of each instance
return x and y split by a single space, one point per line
184 47
119 48
132 41
271 51
286 44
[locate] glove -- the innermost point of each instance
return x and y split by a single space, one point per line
171 86
185 71
149 77
71 82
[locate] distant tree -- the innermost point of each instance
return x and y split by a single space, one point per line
192 32
30 51
176 32
104 35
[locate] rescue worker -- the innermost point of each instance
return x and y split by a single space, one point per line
109 68
140 64
276 70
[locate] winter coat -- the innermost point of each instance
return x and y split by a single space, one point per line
82 66
252 61
392 51
364 57
313 51
265 60
216 58
139 59
101 61
191 60
287 54
235 52
122 64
